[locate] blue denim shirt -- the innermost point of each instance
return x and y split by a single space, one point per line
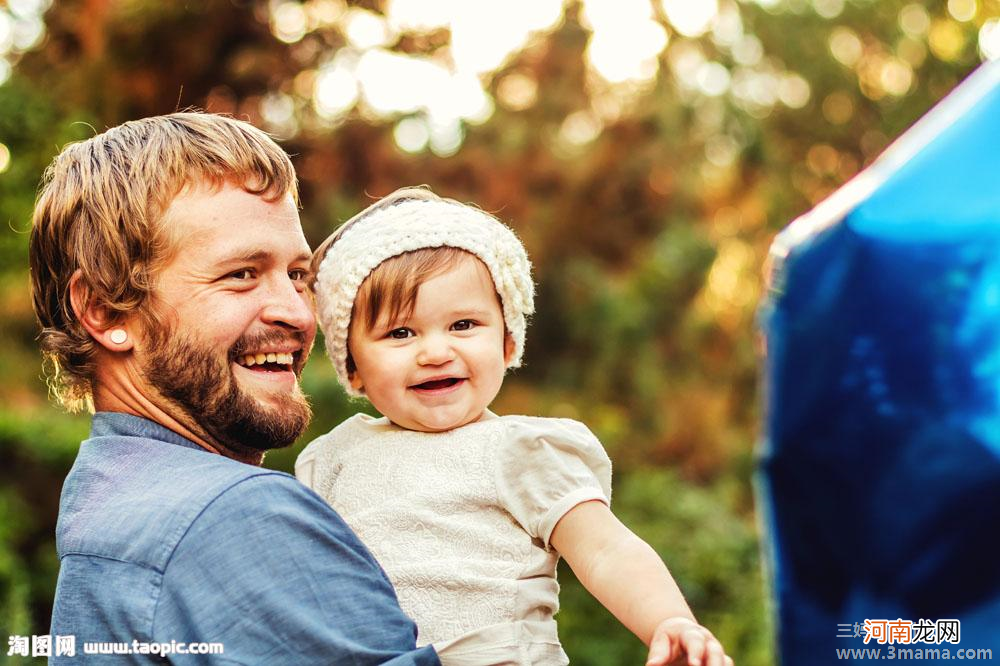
160 540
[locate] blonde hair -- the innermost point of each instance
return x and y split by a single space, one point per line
99 212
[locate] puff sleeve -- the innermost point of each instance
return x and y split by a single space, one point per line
545 467
305 465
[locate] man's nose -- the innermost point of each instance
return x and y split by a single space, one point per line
286 306
435 349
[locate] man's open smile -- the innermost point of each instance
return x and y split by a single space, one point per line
267 361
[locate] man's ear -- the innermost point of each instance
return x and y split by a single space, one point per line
116 337
508 348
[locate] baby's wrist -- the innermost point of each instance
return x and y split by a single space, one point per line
678 622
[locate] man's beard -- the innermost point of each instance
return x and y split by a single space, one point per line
196 381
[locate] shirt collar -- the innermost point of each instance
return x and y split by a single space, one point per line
112 424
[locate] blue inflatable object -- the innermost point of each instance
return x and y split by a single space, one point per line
880 463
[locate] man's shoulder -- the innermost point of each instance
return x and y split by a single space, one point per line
133 499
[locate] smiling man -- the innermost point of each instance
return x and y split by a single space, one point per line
169 272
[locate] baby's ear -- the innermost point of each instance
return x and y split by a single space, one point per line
508 348
356 382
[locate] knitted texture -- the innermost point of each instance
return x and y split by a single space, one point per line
414 225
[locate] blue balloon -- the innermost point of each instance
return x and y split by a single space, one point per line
880 462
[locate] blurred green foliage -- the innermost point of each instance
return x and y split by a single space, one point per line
648 235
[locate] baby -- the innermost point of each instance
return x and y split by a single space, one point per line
424 304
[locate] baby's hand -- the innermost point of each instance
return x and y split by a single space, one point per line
678 641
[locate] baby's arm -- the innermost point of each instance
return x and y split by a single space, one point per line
626 575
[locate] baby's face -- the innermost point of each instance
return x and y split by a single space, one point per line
441 367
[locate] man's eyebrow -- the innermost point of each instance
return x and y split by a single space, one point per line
256 256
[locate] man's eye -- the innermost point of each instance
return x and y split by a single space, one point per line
400 333
242 274
298 274
463 325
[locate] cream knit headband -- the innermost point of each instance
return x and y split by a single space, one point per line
414 225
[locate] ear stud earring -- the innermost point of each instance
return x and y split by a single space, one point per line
118 336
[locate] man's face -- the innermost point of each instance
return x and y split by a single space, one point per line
237 322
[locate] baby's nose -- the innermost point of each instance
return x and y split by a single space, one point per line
435 350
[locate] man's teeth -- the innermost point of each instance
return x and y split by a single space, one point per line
259 359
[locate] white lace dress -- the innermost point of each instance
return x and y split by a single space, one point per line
461 521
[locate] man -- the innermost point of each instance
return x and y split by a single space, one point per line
169 273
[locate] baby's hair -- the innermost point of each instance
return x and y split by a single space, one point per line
392 287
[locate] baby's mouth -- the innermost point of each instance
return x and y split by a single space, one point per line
436 384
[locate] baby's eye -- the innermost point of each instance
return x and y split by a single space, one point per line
400 333
463 325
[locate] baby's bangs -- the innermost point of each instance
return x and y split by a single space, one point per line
391 289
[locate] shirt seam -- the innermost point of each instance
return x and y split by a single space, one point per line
81 553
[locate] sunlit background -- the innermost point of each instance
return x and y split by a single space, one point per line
646 151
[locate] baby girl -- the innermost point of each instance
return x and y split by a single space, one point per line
424 303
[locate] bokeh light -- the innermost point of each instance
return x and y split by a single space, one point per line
962 10
896 76
278 112
398 83
4 158
838 108
438 87
289 22
727 27
912 51
336 89
722 150
713 79
914 20
6 32
485 35
411 134
794 91
517 91
580 128
418 16
446 135
828 9
748 50
989 39
21 30
690 19
846 46
946 40
365 29
626 40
